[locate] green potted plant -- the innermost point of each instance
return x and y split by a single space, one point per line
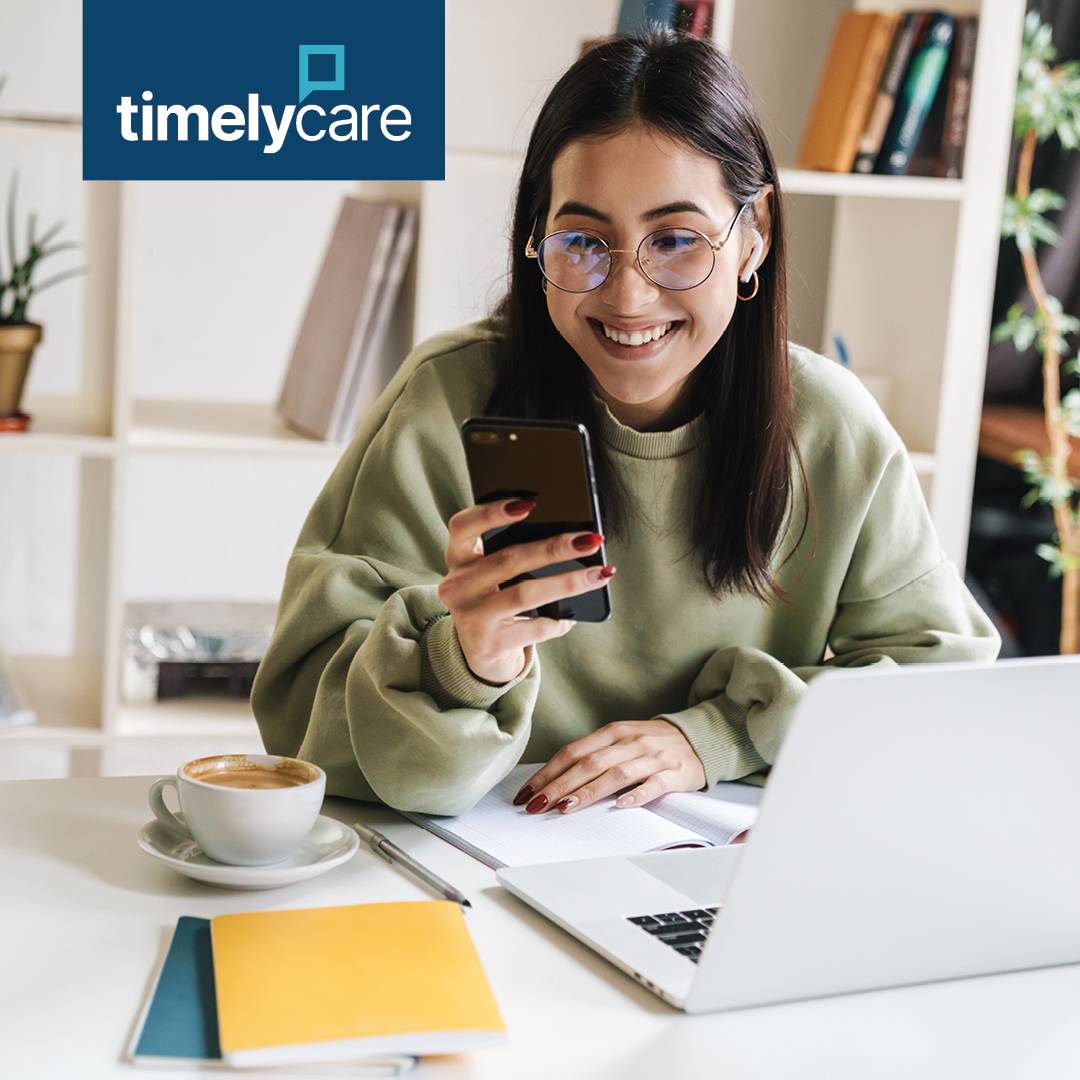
18 335
1047 106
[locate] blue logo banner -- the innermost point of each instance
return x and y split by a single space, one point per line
267 90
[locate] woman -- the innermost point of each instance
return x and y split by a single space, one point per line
764 518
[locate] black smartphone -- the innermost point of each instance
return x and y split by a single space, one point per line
549 461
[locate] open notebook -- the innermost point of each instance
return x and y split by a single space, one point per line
500 834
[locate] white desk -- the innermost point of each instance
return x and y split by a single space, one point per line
84 913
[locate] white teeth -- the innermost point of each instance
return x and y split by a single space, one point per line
638 337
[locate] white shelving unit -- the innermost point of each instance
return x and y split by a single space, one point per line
902 267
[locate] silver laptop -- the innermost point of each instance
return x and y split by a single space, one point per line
919 824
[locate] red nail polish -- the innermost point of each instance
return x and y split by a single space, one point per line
524 795
520 506
537 804
564 804
607 571
586 543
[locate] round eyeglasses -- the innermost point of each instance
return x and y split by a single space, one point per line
577 261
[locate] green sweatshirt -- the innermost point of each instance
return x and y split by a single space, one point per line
364 675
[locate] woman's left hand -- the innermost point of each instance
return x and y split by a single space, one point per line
648 757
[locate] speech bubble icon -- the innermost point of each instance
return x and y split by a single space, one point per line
308 84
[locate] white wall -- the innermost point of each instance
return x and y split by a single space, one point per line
210 527
39 509
218 281
41 54
463 245
491 105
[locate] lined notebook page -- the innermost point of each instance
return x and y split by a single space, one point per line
721 813
501 834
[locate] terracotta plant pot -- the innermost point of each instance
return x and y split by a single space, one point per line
17 343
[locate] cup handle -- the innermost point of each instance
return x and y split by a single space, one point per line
161 811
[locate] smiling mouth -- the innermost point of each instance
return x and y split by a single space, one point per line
637 338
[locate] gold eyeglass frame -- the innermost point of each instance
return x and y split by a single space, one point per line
533 252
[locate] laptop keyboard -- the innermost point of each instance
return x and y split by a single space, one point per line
684 931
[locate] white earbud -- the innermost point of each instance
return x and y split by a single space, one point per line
755 256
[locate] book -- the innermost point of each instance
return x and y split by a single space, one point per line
694 17
14 712
958 105
591 43
370 370
701 23
927 152
178 1024
905 36
500 834
945 131
846 90
335 983
336 327
634 14
916 97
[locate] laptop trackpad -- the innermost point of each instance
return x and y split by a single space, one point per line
701 873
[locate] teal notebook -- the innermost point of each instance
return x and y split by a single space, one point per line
179 1023
181 1019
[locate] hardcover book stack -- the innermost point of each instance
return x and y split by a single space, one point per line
337 368
894 95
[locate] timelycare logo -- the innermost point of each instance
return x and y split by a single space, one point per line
260 123
234 103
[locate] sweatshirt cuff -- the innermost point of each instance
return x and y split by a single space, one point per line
716 729
446 676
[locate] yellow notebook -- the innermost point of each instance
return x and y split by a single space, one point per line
329 984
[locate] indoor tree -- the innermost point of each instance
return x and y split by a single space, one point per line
1047 106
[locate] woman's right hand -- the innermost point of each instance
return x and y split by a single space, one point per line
493 636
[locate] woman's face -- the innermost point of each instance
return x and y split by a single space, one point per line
612 187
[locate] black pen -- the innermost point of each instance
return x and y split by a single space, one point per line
388 850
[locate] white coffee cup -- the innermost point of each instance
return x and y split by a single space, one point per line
253 825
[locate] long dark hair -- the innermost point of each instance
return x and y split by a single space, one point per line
686 88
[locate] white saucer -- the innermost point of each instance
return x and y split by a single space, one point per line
329 844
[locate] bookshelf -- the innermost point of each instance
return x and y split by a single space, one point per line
176 357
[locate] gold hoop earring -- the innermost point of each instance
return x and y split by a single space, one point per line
753 294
